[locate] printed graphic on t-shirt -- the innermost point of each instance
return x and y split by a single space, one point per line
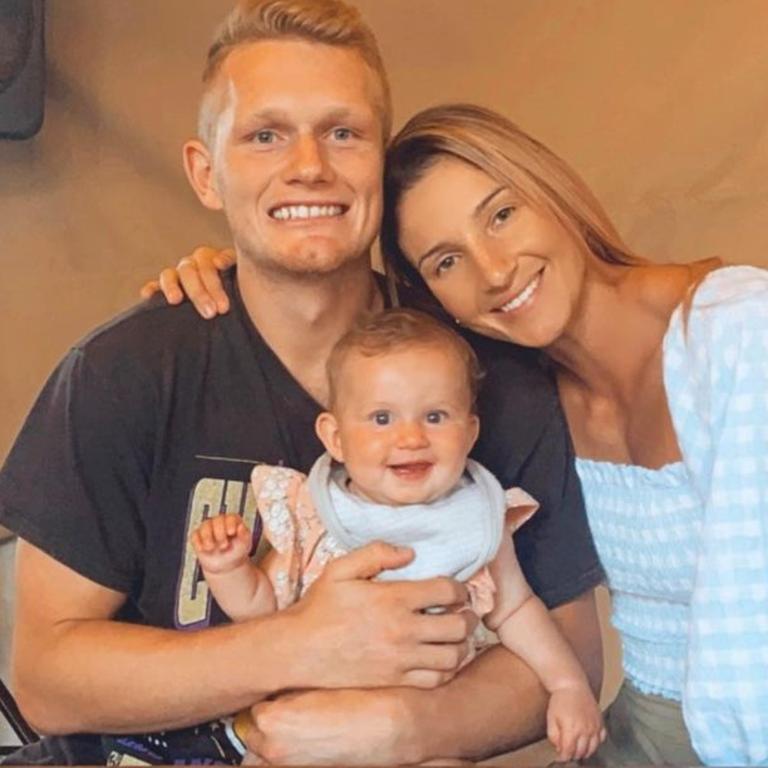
210 496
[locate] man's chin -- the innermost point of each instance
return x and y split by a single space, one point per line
318 261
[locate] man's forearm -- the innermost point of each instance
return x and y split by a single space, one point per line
496 703
122 678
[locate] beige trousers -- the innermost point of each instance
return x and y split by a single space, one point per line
645 729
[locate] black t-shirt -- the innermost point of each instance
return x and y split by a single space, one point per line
155 420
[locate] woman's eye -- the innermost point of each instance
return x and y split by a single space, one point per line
264 137
444 264
382 418
503 214
436 417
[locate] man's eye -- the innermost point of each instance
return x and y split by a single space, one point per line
342 134
382 418
436 417
264 137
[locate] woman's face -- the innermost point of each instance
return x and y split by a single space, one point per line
498 265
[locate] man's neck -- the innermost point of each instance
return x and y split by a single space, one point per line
301 317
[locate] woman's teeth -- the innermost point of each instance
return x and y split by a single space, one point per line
523 296
288 212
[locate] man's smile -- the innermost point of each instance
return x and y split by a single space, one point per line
307 211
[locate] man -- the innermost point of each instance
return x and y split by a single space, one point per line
154 422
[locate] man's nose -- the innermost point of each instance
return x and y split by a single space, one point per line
308 161
412 435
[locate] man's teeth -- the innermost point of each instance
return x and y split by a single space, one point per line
523 296
288 212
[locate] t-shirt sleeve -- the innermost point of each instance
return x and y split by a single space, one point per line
555 546
525 442
76 476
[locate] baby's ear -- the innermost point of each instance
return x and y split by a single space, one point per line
327 429
521 507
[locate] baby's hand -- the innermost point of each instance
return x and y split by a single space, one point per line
574 723
222 543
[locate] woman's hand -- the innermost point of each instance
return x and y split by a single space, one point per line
197 278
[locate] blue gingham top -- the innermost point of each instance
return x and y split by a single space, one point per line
685 547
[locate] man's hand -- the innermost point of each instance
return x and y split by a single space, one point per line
346 727
197 277
366 633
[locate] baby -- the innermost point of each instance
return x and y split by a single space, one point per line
398 430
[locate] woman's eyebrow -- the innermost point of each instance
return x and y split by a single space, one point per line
435 249
488 199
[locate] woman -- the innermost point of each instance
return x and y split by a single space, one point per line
663 374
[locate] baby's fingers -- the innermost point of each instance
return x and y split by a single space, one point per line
202 539
221 525
554 734
232 523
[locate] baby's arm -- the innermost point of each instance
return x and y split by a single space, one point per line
524 626
241 588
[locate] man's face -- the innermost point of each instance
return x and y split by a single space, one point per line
298 155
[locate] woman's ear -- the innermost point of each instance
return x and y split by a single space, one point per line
327 429
198 165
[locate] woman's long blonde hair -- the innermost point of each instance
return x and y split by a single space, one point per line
495 145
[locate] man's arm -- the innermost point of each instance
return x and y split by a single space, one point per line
497 704
76 669
493 705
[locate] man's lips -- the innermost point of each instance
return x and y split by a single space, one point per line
306 211
411 470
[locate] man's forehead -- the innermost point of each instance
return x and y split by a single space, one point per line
272 75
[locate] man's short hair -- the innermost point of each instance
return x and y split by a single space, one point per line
394 330
329 22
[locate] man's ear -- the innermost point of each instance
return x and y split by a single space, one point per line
327 429
199 169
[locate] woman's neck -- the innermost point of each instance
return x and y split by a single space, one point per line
619 326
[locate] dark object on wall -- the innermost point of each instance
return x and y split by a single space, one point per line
22 68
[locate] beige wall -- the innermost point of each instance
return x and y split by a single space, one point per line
661 105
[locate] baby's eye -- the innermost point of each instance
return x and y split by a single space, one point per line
436 417
382 418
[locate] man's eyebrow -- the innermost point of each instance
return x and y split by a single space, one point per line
280 116
267 116
478 209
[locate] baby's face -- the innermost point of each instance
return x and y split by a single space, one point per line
403 424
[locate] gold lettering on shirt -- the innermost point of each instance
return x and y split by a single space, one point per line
211 496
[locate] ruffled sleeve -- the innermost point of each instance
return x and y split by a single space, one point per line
300 542
521 506
716 377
